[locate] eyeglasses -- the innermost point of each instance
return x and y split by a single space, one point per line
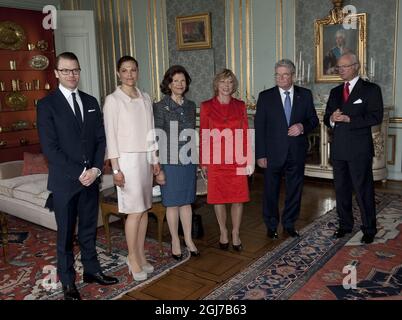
283 75
66 72
344 67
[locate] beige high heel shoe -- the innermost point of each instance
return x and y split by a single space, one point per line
148 268
138 276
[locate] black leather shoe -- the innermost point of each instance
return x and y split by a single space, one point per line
71 293
224 246
292 232
99 278
367 238
271 233
237 247
340 233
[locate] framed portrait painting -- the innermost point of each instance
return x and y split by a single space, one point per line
193 32
334 39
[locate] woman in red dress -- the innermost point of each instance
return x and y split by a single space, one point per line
225 154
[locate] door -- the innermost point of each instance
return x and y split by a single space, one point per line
75 32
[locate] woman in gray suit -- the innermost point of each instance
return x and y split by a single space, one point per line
174 116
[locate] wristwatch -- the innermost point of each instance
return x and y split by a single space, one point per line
116 171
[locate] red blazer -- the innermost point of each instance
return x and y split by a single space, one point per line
225 144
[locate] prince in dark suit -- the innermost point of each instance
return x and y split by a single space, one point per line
285 115
352 109
72 137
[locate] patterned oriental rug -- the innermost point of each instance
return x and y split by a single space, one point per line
32 261
312 267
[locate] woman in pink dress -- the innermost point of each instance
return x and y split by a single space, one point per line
128 121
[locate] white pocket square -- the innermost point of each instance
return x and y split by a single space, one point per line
92 110
358 101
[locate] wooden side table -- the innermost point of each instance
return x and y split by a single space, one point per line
4 234
109 206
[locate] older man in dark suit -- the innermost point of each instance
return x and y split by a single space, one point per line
72 137
352 109
285 115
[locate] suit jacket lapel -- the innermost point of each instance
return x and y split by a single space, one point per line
355 92
339 97
279 103
85 108
296 102
67 109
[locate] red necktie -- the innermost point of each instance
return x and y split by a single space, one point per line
346 92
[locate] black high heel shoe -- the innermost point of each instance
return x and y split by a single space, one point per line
237 247
223 246
195 253
177 257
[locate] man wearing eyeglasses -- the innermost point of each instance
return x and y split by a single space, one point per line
285 116
72 137
352 109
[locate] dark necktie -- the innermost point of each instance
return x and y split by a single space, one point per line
77 110
346 92
288 106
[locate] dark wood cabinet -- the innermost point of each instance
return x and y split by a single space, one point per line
27 58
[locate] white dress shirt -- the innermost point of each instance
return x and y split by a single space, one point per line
67 93
352 83
283 95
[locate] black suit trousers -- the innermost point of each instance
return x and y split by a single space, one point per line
84 206
355 175
293 170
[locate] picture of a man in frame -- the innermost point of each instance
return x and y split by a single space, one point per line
337 41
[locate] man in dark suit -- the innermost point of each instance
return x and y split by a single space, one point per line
72 137
285 115
352 109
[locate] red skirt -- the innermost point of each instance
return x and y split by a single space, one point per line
226 186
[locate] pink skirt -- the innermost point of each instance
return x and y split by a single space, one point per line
136 195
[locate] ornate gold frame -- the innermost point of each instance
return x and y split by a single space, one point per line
206 43
337 17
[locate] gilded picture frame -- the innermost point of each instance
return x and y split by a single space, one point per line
193 32
332 38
